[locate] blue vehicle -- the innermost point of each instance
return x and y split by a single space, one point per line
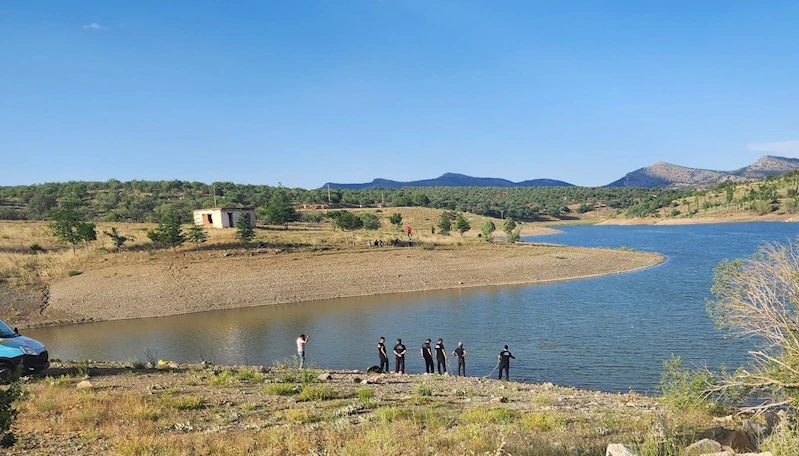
20 352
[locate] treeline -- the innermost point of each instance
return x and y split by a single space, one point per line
150 201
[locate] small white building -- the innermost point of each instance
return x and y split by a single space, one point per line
222 217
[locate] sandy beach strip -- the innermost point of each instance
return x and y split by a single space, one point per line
173 285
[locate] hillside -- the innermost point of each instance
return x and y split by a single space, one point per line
450 180
772 198
663 174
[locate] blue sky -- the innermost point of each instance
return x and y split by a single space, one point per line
303 92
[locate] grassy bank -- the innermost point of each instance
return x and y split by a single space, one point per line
132 410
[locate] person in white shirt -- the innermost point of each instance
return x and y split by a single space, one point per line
301 341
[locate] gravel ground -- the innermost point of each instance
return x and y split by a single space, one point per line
136 285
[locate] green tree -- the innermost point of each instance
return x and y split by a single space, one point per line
68 228
346 221
168 233
370 221
279 210
197 235
117 239
87 233
396 220
462 225
511 230
487 229
244 230
444 224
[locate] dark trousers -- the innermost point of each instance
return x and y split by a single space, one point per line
462 365
399 363
428 365
441 362
507 371
384 363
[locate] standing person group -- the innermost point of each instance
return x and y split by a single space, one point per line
503 359
427 350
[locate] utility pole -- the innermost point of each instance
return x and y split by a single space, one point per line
329 201
213 188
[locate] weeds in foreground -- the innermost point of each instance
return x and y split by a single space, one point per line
317 393
281 389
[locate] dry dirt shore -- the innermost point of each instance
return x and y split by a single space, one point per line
137 284
195 409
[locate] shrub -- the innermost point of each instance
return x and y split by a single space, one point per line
685 388
183 402
370 221
35 248
484 415
8 414
366 394
281 389
316 393
391 414
543 421
755 299
424 391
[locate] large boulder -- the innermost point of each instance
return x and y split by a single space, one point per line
324 376
740 442
617 449
704 446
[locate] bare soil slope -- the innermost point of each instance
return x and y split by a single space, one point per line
177 283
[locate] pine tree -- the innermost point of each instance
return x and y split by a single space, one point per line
117 239
168 233
279 210
488 228
197 235
462 225
244 230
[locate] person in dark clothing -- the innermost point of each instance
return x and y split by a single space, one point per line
427 354
399 353
381 351
441 356
504 362
460 354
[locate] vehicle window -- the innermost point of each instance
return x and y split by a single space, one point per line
5 331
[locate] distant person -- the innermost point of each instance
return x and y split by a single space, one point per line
408 229
399 353
504 362
460 354
441 356
410 241
381 351
427 354
301 341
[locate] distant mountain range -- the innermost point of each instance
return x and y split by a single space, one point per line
667 175
660 174
452 180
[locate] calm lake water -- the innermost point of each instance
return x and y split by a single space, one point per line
609 333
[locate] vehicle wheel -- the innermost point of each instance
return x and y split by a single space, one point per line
6 373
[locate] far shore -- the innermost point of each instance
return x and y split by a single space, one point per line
143 286
731 218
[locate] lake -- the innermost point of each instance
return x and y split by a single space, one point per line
608 333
